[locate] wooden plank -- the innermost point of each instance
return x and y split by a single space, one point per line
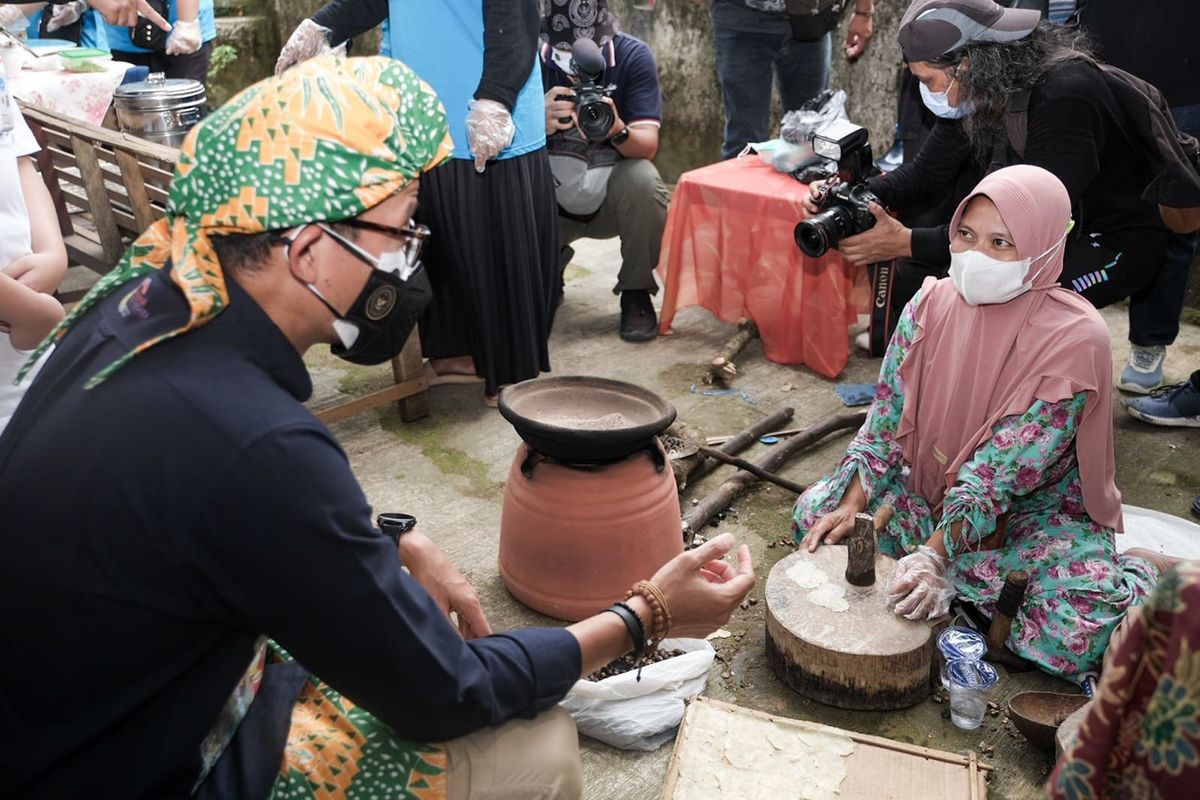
102 216
408 365
99 135
374 400
960 768
45 168
84 250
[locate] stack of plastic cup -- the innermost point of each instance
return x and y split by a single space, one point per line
959 644
970 684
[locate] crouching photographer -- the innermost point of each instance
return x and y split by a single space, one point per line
603 110
1009 90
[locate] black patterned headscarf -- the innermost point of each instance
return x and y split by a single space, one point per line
564 21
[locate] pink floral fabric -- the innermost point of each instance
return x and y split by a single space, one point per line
1079 587
82 95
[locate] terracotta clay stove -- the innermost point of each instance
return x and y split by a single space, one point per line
590 506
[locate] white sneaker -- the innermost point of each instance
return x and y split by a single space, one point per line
1144 371
863 341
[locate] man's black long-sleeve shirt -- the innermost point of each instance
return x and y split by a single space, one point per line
156 525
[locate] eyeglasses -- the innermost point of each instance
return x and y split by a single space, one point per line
414 236
414 245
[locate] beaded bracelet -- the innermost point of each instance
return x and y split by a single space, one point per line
660 610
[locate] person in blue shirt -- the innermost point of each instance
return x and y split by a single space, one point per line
608 187
74 21
494 266
184 53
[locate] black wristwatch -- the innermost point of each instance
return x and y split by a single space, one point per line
621 136
395 525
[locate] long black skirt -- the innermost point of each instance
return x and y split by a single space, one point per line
493 262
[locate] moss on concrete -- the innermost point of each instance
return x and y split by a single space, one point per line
427 435
574 272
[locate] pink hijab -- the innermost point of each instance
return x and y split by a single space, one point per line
970 366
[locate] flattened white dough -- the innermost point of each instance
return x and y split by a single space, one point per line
829 595
741 757
807 575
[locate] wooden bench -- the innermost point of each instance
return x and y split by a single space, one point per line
109 186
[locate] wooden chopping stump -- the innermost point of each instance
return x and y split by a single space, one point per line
856 654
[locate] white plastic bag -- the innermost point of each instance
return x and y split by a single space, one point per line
642 715
800 124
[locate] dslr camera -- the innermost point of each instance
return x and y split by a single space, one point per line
844 201
596 117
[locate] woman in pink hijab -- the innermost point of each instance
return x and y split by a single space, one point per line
991 436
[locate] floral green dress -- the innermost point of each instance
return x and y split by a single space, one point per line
1079 587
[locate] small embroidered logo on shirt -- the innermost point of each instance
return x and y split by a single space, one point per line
940 456
134 303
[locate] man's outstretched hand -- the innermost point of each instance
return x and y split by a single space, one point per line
449 589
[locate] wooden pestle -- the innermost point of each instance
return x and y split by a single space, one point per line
1007 605
860 547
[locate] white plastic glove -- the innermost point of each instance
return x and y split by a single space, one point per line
184 39
490 129
65 14
309 40
919 587
10 15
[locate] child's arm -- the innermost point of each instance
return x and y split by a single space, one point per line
29 315
44 268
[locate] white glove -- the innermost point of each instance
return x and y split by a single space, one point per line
309 40
919 587
184 39
66 14
490 129
9 15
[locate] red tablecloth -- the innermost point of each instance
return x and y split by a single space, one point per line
728 247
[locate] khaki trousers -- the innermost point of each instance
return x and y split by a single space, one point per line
523 759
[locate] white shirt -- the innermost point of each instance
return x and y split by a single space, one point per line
15 241
14 218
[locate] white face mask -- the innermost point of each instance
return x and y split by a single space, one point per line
983 280
939 103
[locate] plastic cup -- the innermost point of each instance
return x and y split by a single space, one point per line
958 644
971 684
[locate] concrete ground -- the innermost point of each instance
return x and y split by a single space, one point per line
449 470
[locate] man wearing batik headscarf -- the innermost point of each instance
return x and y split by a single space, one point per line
605 183
191 540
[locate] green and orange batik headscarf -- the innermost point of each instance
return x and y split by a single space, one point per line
324 141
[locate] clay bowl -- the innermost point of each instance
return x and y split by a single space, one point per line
1038 714
582 419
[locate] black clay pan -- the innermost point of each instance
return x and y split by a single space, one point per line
582 419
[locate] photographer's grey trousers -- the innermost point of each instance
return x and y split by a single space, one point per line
635 209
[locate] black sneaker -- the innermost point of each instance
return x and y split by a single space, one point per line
639 323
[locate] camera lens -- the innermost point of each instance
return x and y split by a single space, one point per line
814 236
596 120
812 239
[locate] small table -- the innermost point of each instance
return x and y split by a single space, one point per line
84 96
729 247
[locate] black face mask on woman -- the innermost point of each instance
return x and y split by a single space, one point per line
377 324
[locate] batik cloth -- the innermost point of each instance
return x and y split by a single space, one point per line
1140 738
325 141
337 750
1079 587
